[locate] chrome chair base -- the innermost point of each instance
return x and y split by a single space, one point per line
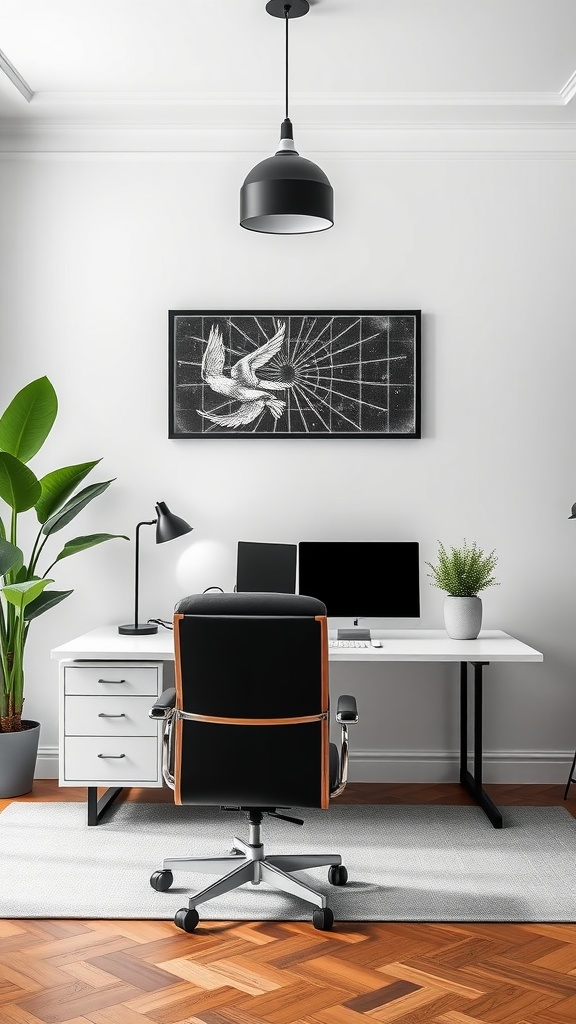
249 864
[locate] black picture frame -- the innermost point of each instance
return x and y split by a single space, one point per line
299 385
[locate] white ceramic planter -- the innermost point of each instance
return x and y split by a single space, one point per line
462 617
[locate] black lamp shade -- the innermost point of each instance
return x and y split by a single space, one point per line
169 526
573 510
285 195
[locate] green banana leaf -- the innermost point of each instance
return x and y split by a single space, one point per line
44 602
10 557
73 507
57 487
22 594
28 420
82 543
18 486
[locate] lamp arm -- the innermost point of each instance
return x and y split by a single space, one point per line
145 522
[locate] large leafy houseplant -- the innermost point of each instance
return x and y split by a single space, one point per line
24 588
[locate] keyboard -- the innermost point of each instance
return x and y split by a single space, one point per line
349 643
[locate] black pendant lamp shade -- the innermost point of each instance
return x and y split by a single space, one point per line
286 194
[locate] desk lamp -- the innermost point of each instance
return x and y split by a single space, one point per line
168 527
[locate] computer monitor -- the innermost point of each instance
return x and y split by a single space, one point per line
372 579
266 568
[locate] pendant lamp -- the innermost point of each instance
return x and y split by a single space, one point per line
286 194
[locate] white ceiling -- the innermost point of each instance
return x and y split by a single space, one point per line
197 60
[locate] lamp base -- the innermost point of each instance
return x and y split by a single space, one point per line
141 629
297 8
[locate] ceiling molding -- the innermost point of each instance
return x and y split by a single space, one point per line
274 100
346 112
395 143
16 78
343 111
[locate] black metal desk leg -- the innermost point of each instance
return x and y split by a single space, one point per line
570 777
473 783
98 807
463 719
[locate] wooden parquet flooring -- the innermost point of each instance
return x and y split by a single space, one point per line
140 972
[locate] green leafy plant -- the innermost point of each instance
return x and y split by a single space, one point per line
24 593
463 572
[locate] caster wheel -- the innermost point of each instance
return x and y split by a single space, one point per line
161 880
236 853
337 875
186 919
323 919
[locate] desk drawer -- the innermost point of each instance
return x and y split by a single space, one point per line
83 765
111 680
109 716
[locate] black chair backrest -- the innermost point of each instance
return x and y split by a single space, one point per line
253 670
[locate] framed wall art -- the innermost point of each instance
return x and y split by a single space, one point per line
294 374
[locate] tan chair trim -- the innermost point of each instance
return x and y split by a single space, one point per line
179 703
325 733
215 720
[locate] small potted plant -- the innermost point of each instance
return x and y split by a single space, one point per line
24 587
463 572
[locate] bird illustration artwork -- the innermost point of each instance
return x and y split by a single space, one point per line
243 386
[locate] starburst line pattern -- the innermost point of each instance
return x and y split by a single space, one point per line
337 374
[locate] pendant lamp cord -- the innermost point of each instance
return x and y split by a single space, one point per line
286 18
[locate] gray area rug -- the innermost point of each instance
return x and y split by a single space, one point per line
405 863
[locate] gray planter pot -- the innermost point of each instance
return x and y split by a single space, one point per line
462 617
18 752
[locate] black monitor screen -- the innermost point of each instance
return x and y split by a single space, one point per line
268 568
377 580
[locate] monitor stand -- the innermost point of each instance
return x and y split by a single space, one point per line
353 634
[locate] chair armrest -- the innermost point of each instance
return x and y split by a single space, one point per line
163 705
347 710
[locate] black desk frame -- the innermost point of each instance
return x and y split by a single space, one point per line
97 808
473 782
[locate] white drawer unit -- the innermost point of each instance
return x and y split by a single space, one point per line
108 716
114 680
106 736
102 759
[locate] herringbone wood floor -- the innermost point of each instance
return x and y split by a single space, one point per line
138 972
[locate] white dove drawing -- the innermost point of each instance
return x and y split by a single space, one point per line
242 385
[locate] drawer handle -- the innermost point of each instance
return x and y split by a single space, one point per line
111 680
111 755
104 715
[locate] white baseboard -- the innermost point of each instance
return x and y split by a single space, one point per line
505 766
47 763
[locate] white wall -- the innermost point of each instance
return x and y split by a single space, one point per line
97 247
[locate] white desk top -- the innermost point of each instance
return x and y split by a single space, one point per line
105 643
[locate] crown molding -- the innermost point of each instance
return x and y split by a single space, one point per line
274 100
425 142
348 112
316 111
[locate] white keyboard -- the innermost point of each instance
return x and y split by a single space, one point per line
349 643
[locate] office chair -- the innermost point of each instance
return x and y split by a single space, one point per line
246 728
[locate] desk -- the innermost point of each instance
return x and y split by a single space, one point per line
108 682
